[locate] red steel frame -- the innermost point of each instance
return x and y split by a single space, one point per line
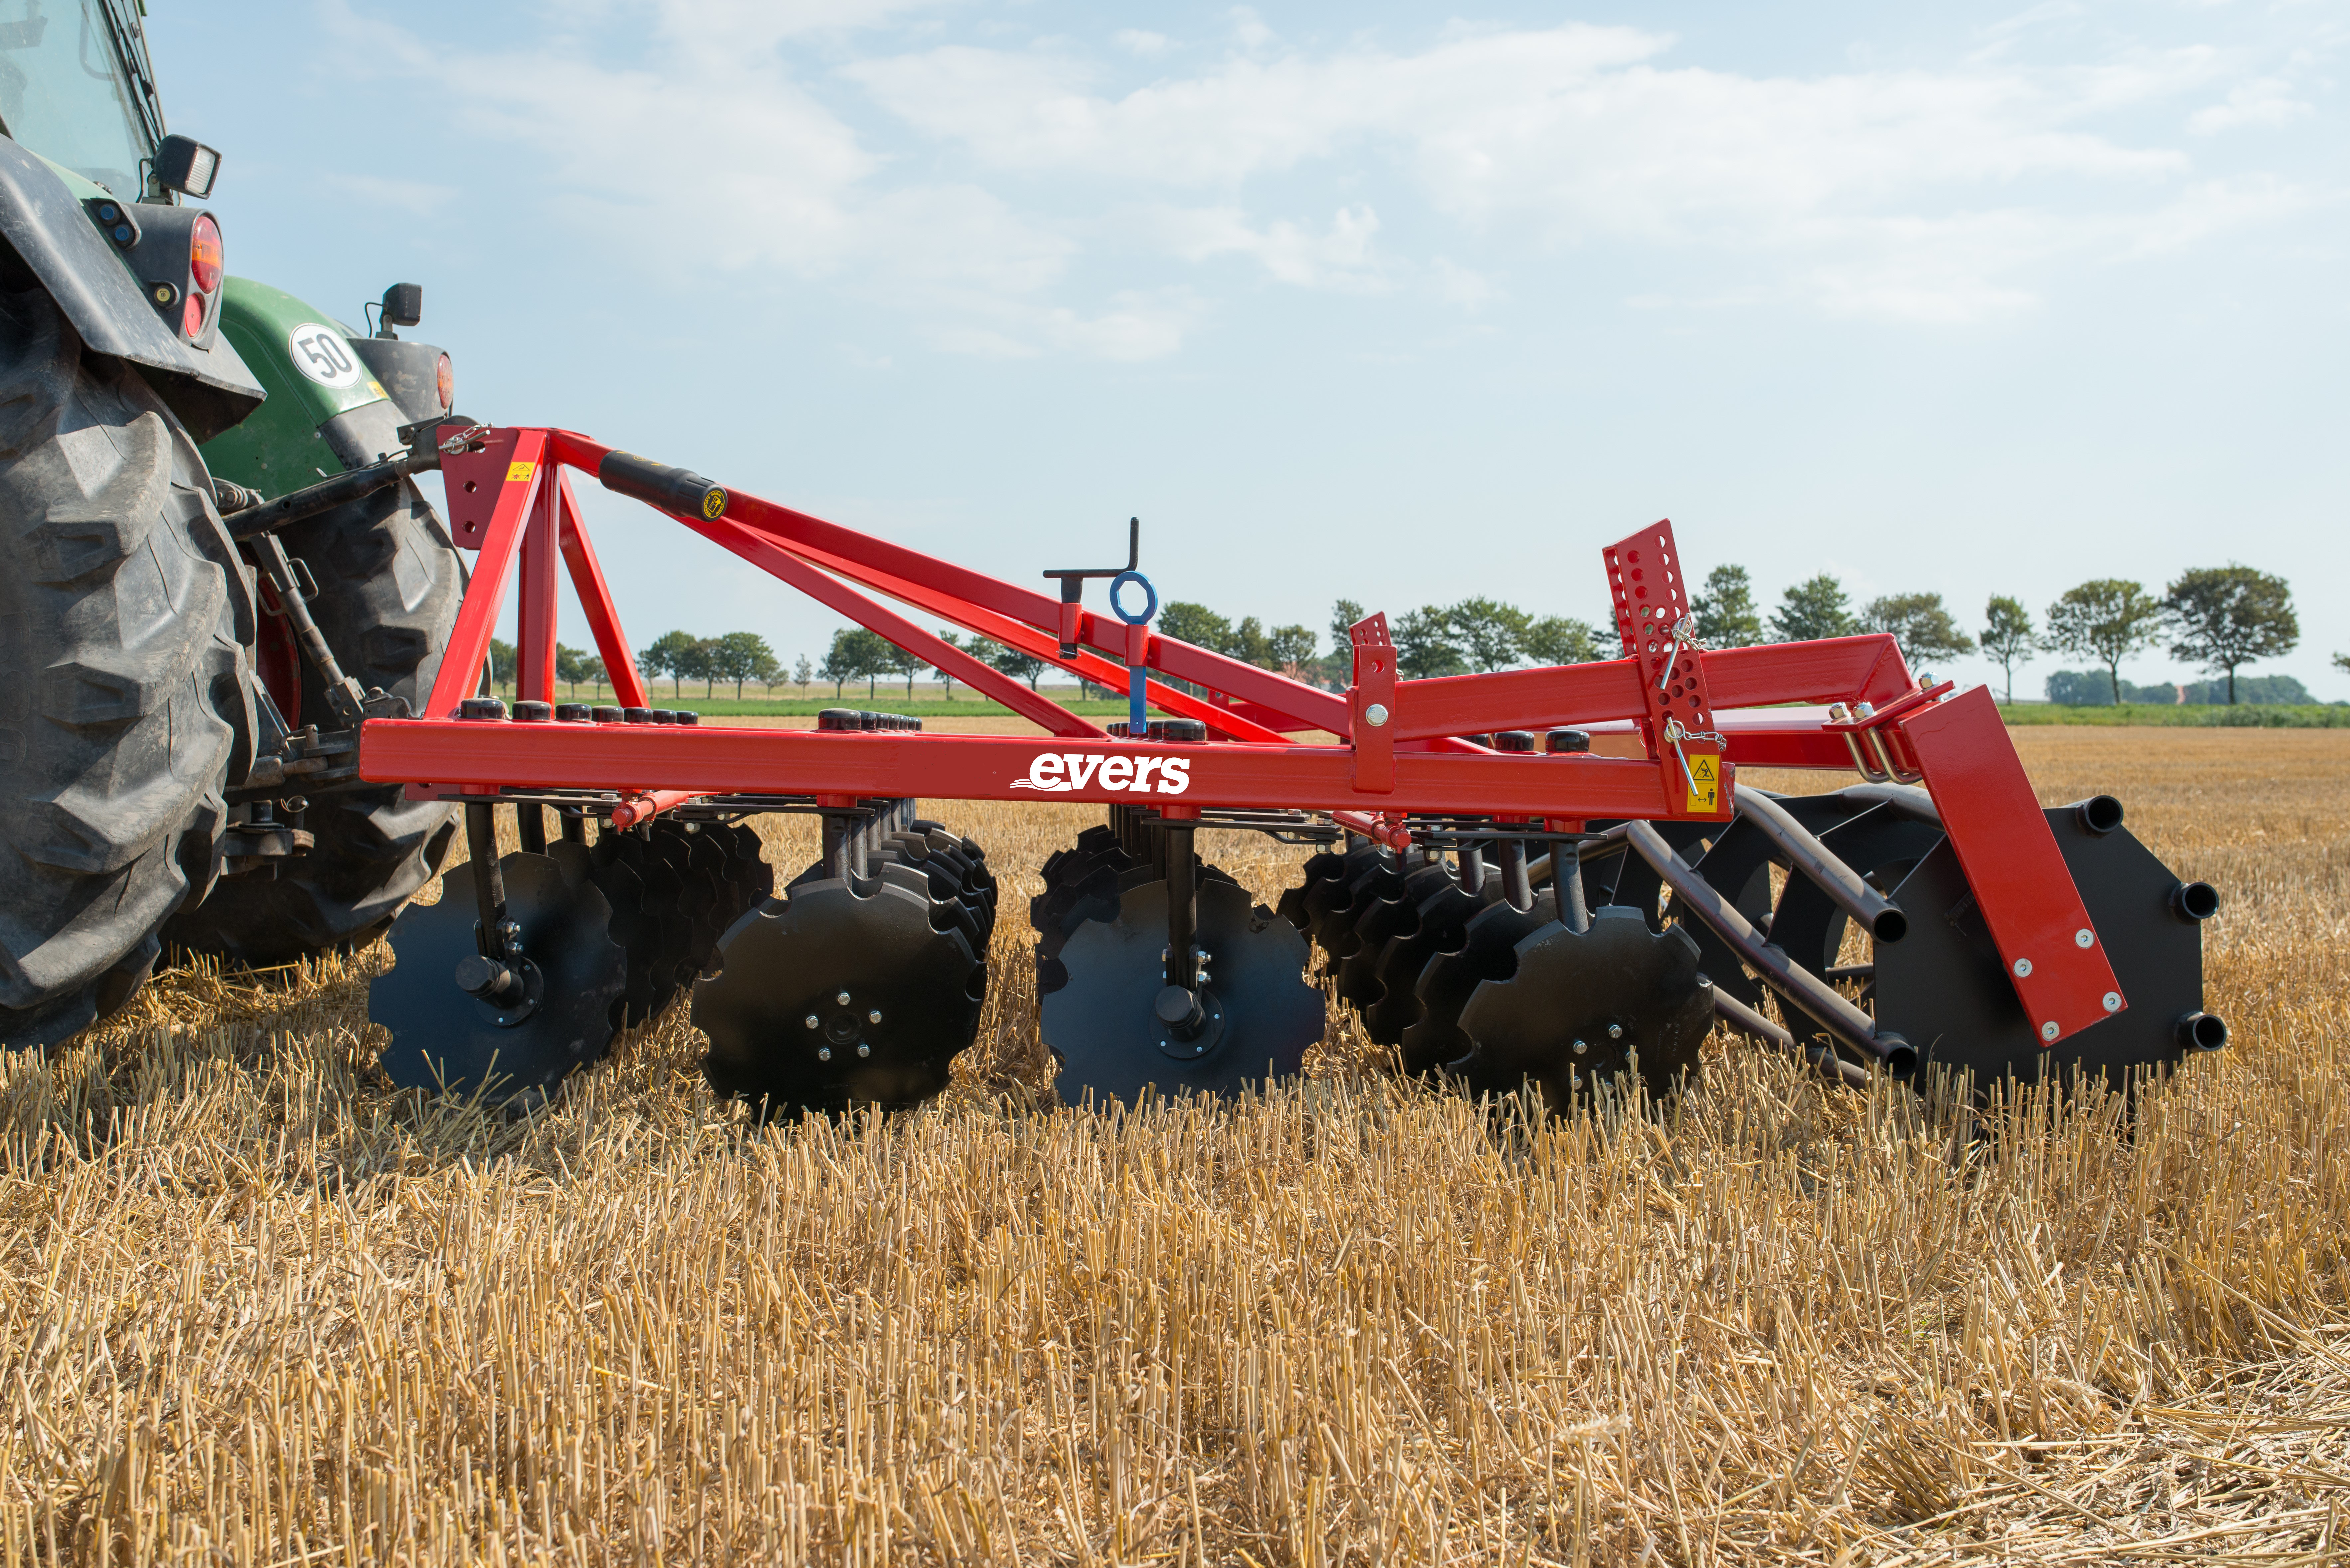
1395 748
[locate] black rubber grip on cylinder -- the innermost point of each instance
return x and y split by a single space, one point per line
676 490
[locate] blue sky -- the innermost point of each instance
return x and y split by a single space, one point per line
1382 302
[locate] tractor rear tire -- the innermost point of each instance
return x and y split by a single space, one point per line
124 705
390 580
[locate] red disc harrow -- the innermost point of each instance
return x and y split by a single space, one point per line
1548 875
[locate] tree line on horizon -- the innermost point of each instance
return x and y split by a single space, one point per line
2219 618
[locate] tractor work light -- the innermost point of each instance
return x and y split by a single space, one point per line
205 254
186 165
403 305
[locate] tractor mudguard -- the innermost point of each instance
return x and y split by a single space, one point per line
42 219
328 411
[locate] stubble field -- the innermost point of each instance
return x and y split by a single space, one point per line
257 1309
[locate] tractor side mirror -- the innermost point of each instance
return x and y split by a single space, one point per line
186 165
403 305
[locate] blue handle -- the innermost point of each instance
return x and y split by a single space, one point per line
1137 709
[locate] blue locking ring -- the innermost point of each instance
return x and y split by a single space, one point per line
1150 594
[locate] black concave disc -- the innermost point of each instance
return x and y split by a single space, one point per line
1331 905
747 871
1141 876
1442 926
1092 842
1103 1026
1381 882
1321 866
444 1039
795 957
1093 897
1614 988
707 898
657 940
983 880
1073 876
947 910
1383 922
696 904
968 870
638 936
945 871
1450 979
1944 987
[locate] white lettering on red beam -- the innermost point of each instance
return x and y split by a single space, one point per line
1062 772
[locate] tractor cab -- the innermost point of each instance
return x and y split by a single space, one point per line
76 87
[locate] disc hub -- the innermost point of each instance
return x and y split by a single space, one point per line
505 993
1184 1037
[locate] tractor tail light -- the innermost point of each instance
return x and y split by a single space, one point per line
444 381
191 319
205 254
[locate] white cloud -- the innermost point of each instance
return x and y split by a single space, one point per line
1139 325
985 192
1339 257
2265 101
709 155
1461 285
1915 195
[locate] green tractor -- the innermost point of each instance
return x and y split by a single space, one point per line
215 560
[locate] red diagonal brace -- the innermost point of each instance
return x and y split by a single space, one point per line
2033 911
595 600
774 559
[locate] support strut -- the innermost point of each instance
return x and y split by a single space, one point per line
489 883
1178 1005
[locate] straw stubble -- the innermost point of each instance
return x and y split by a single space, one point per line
257 1309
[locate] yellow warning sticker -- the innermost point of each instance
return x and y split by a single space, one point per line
1705 782
520 471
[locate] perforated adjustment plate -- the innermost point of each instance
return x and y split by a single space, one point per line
1643 575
